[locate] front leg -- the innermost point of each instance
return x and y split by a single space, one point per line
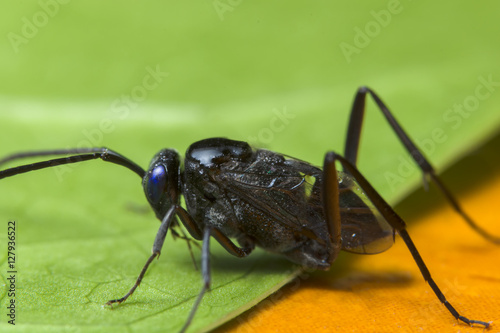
157 246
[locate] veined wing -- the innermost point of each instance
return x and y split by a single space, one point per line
283 194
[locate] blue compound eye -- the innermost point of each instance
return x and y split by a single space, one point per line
156 184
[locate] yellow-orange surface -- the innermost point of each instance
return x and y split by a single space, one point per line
385 292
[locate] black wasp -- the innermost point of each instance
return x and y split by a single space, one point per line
261 198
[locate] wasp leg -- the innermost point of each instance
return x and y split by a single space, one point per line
352 146
399 225
208 231
189 224
230 247
157 245
205 271
332 207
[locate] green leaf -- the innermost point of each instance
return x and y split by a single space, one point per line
84 77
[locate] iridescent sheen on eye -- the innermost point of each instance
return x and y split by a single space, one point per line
156 183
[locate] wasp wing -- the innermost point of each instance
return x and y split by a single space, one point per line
283 193
289 193
364 230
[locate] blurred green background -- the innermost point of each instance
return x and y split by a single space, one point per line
230 64
141 76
